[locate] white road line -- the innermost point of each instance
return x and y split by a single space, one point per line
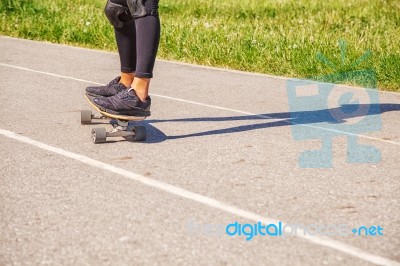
50 74
160 60
221 69
208 105
213 203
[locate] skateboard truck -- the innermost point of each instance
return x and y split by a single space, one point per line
122 128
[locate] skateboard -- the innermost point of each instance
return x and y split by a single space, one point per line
120 123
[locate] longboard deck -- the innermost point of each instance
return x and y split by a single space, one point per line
115 116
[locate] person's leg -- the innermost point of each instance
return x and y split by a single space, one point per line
119 15
136 100
138 45
147 41
125 37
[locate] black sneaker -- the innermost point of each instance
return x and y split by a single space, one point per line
125 102
110 89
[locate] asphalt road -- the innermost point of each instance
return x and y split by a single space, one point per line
222 148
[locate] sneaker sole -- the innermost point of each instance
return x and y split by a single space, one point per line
130 115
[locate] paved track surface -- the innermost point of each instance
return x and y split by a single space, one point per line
220 150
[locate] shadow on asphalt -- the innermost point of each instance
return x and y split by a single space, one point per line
154 135
347 111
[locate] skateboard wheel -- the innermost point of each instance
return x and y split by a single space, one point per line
140 133
86 117
99 135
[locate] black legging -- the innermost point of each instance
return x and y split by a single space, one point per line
138 41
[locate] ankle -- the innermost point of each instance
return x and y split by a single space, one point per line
141 87
127 79
142 94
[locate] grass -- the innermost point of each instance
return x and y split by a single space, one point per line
289 38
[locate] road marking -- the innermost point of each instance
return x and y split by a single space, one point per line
193 65
209 106
210 202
